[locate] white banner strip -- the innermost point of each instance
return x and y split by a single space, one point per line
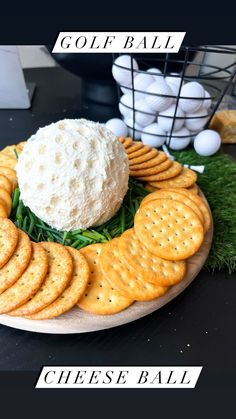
118 377
126 42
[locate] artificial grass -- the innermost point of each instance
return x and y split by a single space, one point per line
218 183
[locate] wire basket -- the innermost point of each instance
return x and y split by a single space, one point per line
188 65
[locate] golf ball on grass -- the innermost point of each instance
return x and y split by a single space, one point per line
158 96
169 116
122 69
207 142
117 126
191 96
153 135
179 140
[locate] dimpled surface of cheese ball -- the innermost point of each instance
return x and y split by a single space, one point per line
73 174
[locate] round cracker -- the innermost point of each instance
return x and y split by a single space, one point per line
150 188
5 184
10 151
173 170
166 193
158 271
128 281
160 158
18 262
73 292
149 174
194 189
100 297
5 200
7 161
169 229
184 179
137 145
20 146
145 149
121 139
3 211
28 284
128 141
145 157
10 174
8 240
58 277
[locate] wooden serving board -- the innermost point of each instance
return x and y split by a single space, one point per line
79 321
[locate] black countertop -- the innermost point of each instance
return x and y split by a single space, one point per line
197 328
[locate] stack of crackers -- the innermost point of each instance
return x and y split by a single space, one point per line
44 280
155 168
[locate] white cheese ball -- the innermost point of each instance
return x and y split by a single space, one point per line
207 142
122 69
153 135
193 95
166 118
117 126
74 174
196 120
157 96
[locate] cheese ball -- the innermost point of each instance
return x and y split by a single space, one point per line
73 174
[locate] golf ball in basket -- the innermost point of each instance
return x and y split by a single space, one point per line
126 105
207 102
166 118
134 129
117 126
196 120
207 142
155 73
194 95
179 139
143 114
157 96
141 83
153 135
121 69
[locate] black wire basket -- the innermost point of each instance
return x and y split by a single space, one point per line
190 64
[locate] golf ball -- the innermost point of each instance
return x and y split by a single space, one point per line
191 96
121 69
134 129
157 97
153 135
207 142
117 126
143 114
166 118
179 140
196 120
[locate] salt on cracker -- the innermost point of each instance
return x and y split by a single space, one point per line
143 158
7 161
73 292
8 240
169 229
156 270
58 277
3 211
28 284
137 145
5 184
151 163
173 170
145 149
166 193
100 297
152 172
184 179
126 279
18 262
10 174
5 200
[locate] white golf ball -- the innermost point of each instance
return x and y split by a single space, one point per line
196 120
207 142
121 69
143 114
126 105
141 83
157 96
153 135
134 129
194 95
126 88
155 73
117 126
179 139
166 118
207 102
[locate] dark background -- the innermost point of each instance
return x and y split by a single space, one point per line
203 316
